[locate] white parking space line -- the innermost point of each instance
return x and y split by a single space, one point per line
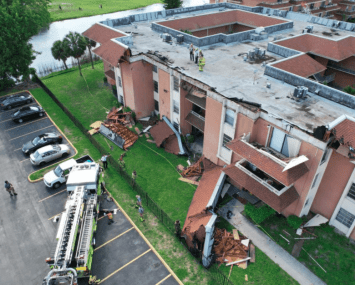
25 159
26 124
18 149
52 195
31 133
5 121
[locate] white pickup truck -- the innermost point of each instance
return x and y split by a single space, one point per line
59 175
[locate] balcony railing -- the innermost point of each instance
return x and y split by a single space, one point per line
196 120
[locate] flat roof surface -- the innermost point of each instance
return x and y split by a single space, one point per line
232 77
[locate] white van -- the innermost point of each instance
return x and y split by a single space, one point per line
58 176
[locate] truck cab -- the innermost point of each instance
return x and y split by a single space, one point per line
59 175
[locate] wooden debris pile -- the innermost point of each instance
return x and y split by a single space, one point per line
95 127
232 249
115 116
194 170
129 137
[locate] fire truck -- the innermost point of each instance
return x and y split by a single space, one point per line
72 253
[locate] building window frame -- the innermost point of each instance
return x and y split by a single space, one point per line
315 180
176 107
156 105
119 81
156 86
285 149
325 156
176 83
229 117
155 68
176 126
226 139
351 192
345 218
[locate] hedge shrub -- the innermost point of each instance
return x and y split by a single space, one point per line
294 221
258 215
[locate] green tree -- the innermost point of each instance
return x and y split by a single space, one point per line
19 21
90 44
60 51
76 46
172 4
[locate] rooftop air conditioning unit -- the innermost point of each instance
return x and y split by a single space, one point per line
179 38
166 37
300 92
259 30
336 24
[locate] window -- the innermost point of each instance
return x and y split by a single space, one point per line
226 139
176 107
299 8
315 181
284 144
176 83
121 99
176 126
290 9
325 156
155 68
311 6
229 118
156 105
119 81
155 86
351 193
345 218
306 202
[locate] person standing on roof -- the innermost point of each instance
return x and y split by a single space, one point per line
201 62
104 160
94 280
196 55
191 48
9 188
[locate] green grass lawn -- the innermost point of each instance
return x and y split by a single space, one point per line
70 8
155 175
332 251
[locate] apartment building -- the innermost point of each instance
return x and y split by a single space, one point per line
268 121
331 9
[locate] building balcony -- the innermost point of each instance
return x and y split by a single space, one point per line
348 13
197 100
298 2
196 120
329 7
347 2
284 170
245 175
275 5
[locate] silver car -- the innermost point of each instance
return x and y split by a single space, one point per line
48 153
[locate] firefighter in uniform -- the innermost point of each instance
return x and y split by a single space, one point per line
201 62
93 280
110 218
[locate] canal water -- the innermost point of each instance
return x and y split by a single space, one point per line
58 30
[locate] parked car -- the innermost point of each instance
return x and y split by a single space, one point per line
40 141
58 176
15 101
26 113
48 153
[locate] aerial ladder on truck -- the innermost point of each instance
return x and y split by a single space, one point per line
73 251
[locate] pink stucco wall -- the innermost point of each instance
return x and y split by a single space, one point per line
144 91
127 85
331 188
211 136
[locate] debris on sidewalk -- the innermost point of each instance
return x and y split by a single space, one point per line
118 134
297 248
229 250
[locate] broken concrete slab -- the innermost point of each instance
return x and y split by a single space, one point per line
316 221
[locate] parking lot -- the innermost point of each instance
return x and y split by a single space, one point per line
27 231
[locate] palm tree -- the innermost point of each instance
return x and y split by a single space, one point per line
60 52
76 45
90 44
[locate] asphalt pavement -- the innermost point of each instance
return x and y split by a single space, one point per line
27 231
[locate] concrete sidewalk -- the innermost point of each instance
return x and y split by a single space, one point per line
280 256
